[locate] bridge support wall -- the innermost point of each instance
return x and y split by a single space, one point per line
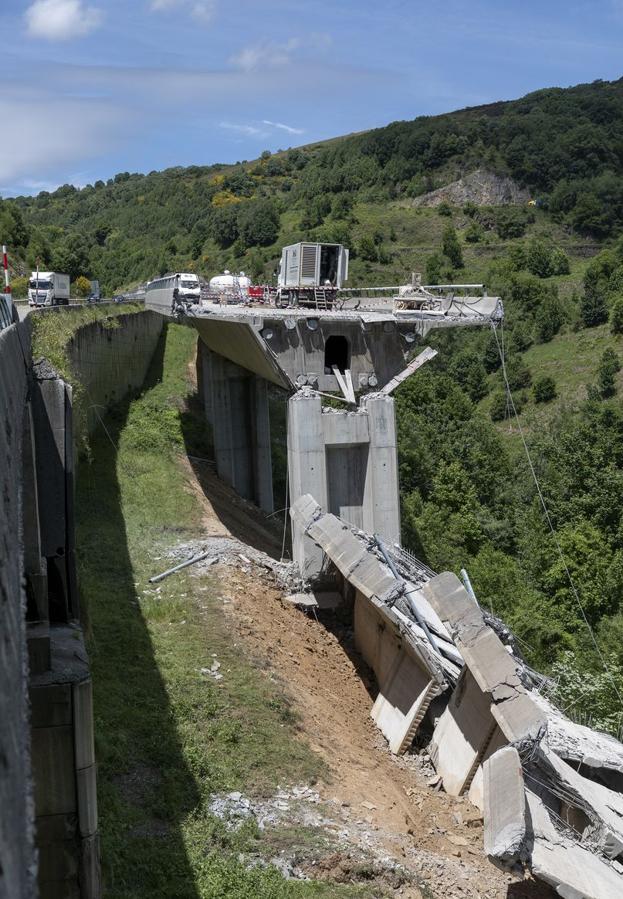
348 461
236 405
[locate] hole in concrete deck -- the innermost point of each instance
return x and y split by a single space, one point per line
336 352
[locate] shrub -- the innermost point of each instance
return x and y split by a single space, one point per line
593 309
444 209
616 316
609 365
451 247
499 406
544 389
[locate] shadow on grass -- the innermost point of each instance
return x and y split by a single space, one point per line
145 788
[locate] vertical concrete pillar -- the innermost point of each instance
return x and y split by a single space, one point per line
307 471
381 513
236 405
262 456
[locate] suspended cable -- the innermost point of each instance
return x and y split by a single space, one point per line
574 591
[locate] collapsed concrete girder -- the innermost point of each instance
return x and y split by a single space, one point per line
409 673
496 737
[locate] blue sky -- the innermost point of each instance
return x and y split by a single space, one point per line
94 87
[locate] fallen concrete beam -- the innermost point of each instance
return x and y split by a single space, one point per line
495 670
408 670
504 806
574 872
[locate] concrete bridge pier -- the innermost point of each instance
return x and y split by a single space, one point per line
236 406
348 461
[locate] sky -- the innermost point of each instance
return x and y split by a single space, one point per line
90 88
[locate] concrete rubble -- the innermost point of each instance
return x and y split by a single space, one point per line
550 790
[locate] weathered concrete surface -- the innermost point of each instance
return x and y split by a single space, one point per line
504 806
348 461
574 872
17 859
236 406
287 346
110 358
495 671
462 735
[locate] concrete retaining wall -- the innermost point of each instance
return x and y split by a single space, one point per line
47 762
110 358
17 859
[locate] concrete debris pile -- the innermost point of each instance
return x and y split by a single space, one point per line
550 790
231 552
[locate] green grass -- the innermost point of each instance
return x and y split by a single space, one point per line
167 737
571 359
52 331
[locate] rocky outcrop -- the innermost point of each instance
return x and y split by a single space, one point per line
480 187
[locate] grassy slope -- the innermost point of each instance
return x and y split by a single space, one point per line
167 737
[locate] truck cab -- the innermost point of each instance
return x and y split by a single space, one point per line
189 289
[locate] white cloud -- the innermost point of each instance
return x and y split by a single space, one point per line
59 20
283 127
272 54
201 10
265 54
248 130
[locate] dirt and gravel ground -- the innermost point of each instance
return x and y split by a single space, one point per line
382 818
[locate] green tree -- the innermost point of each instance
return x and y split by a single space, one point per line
548 319
451 247
593 308
434 269
470 373
544 389
616 316
609 365
474 232
81 286
498 410
367 249
539 258
223 226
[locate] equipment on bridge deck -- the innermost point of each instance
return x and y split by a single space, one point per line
310 274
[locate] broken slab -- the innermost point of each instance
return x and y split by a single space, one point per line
494 669
462 735
593 810
574 872
596 755
504 806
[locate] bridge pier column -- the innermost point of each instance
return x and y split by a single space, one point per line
236 405
348 461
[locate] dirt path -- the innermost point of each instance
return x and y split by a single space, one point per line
383 802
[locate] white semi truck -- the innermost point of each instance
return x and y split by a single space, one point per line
48 289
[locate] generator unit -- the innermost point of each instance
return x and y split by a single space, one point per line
310 274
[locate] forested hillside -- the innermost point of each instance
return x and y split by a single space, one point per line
556 258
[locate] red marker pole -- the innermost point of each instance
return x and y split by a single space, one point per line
7 282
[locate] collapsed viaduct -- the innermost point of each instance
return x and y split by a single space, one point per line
346 458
